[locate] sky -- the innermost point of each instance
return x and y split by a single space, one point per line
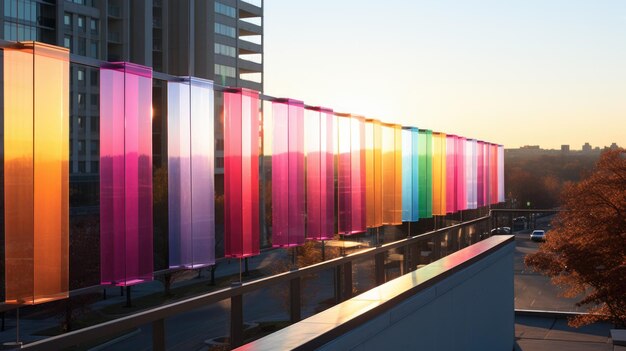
524 72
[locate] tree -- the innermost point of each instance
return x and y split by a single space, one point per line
586 252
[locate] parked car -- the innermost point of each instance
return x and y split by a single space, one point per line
501 230
538 235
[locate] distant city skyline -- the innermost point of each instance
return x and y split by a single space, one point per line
517 73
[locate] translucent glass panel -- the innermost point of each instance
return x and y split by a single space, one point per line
501 194
288 173
410 174
351 174
125 174
392 173
460 176
450 173
425 151
35 125
320 174
487 165
439 174
471 173
241 173
374 174
190 113
493 172
480 174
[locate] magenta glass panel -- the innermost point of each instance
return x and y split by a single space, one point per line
501 194
460 176
241 173
480 174
125 174
488 183
451 173
190 173
320 169
351 174
493 172
288 173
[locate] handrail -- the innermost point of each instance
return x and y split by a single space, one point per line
159 313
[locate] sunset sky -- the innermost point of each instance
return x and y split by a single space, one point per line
532 72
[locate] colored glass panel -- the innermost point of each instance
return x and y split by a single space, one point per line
480 173
501 194
424 149
288 203
190 173
125 174
439 174
241 173
35 123
451 173
392 173
374 176
320 173
350 174
470 172
493 162
460 176
410 174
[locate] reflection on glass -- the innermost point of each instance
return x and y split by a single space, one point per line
481 175
501 195
493 172
125 174
392 173
36 179
374 170
425 151
241 173
460 176
320 173
439 174
190 173
288 173
410 174
351 174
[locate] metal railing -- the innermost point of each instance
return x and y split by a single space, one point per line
466 234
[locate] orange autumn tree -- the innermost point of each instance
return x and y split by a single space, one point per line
586 252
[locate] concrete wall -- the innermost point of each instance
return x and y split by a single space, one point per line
473 309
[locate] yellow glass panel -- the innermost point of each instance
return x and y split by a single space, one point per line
392 174
374 170
439 174
36 122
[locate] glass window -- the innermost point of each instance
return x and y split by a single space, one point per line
95 166
67 42
225 30
67 19
227 71
81 21
93 49
82 46
225 50
93 25
80 74
225 10
81 166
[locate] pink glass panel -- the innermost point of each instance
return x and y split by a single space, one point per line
493 172
241 173
320 176
351 174
460 176
125 174
480 174
190 173
501 194
288 173
451 173
470 173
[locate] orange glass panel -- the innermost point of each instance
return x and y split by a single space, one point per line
373 177
392 173
439 174
36 141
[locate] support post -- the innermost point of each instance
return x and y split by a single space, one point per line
347 280
236 321
379 263
128 300
294 300
158 335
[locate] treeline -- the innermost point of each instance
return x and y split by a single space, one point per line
539 179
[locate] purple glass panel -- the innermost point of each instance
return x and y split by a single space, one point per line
451 173
319 173
241 173
288 173
190 173
126 174
460 177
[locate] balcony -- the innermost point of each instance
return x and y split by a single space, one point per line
247 28
247 48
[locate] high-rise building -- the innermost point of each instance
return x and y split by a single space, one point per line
217 40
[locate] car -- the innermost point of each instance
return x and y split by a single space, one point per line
501 230
538 235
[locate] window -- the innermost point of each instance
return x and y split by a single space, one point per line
225 10
82 46
81 167
94 75
80 123
93 48
226 71
224 30
225 50
95 125
80 74
95 148
80 99
93 25
95 167
67 19
67 42
81 22
81 148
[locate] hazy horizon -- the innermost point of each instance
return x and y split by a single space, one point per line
516 73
